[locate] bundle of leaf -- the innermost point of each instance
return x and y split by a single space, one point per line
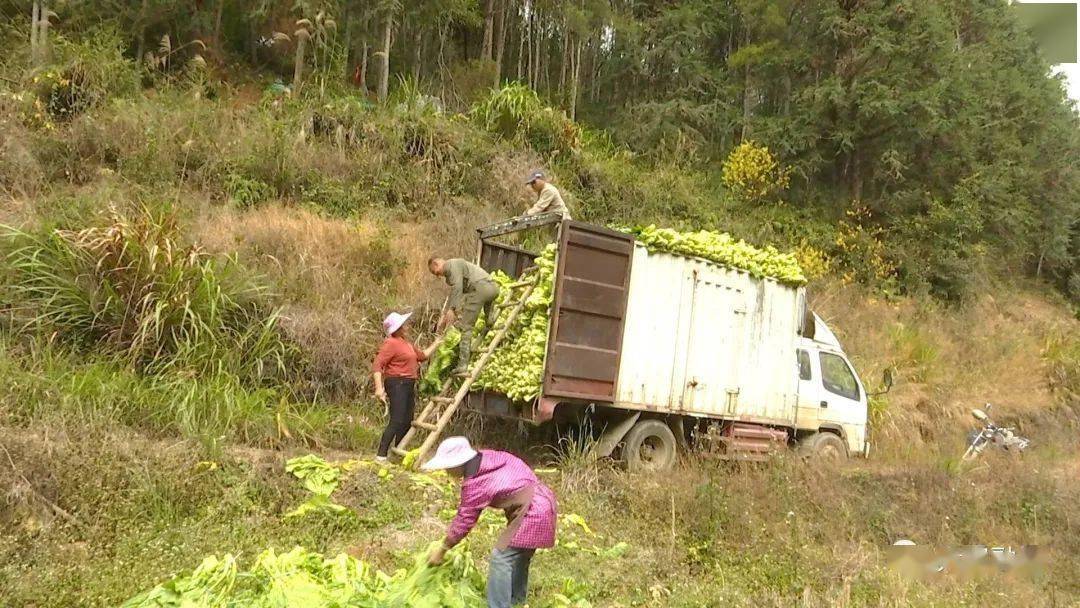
440 363
321 478
722 248
301 578
455 583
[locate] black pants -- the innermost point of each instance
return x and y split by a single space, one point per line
402 395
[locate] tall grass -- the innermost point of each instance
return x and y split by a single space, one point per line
516 112
129 288
1062 355
69 390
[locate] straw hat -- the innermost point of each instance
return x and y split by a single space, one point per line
452 452
394 321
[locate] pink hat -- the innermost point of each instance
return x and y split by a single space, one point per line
452 452
394 321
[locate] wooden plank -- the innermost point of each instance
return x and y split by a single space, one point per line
600 242
589 364
593 298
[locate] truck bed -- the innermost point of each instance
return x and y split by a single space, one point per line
657 332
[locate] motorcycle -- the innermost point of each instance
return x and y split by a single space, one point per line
992 435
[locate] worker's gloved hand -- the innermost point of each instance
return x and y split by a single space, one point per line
437 555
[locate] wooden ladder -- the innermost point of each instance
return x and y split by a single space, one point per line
440 409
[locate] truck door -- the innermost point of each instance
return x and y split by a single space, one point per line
590 293
842 399
807 415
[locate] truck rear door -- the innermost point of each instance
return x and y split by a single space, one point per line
591 285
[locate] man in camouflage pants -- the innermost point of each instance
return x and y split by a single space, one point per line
471 289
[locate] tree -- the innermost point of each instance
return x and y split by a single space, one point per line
489 30
302 35
384 53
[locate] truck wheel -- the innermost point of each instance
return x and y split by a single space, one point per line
649 446
822 447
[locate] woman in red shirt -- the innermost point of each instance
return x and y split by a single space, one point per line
396 369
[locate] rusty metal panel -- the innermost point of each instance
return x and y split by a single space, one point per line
511 260
591 285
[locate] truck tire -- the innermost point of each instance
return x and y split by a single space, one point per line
823 447
649 446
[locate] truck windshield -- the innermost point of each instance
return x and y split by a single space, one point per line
837 378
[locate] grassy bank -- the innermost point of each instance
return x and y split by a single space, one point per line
191 291
709 534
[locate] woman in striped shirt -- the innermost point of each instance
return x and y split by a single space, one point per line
503 481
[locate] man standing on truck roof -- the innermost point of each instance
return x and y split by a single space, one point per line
471 289
548 197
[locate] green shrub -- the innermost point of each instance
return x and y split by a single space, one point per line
246 192
516 113
84 74
1062 354
938 248
130 288
339 199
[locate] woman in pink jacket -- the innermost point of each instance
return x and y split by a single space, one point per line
503 481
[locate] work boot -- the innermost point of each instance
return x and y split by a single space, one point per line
464 354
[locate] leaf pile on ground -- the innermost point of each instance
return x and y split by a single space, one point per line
321 478
306 579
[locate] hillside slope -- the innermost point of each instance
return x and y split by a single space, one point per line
271 235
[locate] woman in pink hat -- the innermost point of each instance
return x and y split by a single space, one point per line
396 369
501 480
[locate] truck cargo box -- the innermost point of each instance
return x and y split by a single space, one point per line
657 332
705 340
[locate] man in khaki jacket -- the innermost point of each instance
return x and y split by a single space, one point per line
548 197
471 290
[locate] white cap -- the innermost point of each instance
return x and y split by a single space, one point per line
394 321
452 452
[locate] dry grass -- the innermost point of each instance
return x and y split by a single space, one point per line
339 277
707 534
948 360
21 174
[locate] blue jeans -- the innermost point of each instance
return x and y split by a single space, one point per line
508 577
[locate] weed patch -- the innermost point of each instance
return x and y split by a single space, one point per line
129 288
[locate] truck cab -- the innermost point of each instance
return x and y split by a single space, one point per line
831 397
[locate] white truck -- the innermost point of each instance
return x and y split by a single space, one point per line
664 352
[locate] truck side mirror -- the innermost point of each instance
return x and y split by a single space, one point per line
887 378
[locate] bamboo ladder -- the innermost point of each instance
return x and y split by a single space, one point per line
440 409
